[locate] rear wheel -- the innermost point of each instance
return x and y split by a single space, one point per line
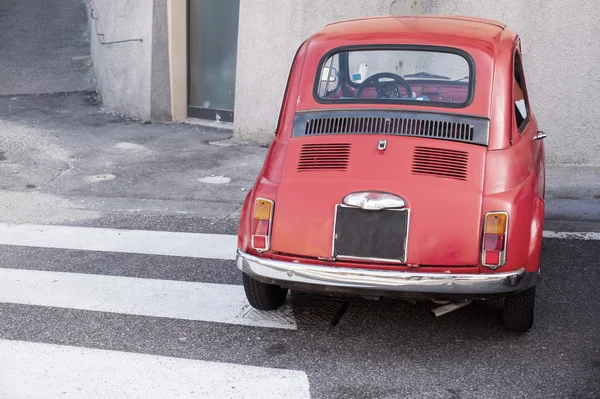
263 296
519 310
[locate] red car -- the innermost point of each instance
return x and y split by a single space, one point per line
406 162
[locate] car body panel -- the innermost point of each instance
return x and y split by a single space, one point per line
307 199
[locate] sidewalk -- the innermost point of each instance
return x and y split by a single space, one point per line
62 159
573 193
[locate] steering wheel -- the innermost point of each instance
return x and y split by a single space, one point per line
385 89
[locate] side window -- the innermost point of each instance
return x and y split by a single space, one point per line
330 76
520 99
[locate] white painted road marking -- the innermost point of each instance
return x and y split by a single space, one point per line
218 303
571 235
195 245
213 246
33 370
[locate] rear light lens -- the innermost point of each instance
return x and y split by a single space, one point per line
495 231
260 243
493 243
496 223
261 225
262 209
492 258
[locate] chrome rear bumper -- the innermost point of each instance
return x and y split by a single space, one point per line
298 274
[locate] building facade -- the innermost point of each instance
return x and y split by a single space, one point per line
226 61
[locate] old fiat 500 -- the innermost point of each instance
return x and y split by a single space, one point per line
406 162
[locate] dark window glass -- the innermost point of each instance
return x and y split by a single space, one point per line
427 77
520 94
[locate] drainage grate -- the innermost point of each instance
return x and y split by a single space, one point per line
302 310
283 316
317 310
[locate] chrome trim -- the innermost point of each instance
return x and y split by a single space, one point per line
406 238
333 235
346 257
540 135
450 307
503 253
282 273
268 236
373 200
395 261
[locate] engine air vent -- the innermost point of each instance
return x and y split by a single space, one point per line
402 126
440 162
464 129
324 157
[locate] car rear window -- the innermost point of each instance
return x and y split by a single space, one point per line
430 77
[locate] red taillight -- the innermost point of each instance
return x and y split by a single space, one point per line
493 247
492 258
261 225
260 243
261 228
493 242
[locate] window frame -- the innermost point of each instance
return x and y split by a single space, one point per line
287 90
339 78
393 47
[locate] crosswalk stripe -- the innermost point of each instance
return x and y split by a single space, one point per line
43 370
571 235
211 246
219 303
195 245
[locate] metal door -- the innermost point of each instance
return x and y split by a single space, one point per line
212 53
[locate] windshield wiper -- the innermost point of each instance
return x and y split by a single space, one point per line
426 75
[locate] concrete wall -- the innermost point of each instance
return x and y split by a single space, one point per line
269 35
160 86
561 53
132 77
560 45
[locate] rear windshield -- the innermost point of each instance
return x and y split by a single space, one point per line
370 76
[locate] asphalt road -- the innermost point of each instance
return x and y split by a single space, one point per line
377 349
44 47
70 325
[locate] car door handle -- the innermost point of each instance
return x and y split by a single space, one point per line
540 135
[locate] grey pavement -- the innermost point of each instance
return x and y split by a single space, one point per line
44 47
64 159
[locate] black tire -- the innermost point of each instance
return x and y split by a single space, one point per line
519 309
263 296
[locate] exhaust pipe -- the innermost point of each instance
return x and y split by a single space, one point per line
451 307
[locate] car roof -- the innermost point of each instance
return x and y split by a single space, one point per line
488 43
457 27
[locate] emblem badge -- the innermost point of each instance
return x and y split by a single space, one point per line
382 145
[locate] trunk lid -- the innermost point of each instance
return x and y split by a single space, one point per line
440 180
